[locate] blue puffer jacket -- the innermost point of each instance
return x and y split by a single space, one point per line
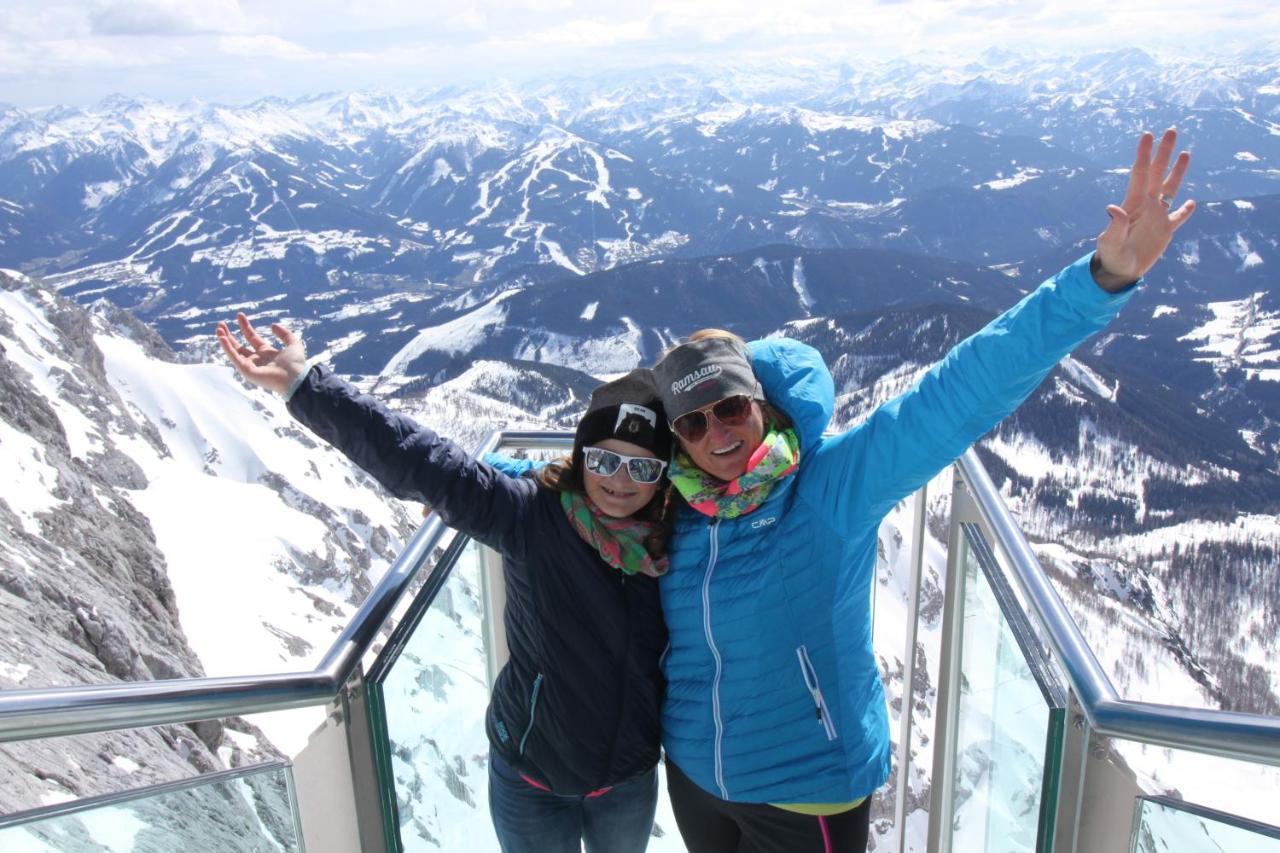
773 692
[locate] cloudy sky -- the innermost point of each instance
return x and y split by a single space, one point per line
77 51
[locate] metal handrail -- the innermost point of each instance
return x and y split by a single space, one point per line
80 709
1248 737
56 711
130 795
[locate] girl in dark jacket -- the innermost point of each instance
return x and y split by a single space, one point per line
573 721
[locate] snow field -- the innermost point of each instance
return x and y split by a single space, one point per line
232 543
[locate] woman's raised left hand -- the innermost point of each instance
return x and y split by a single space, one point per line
1143 225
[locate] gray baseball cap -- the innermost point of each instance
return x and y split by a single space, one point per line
699 373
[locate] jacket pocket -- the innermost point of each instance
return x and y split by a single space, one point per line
533 710
815 690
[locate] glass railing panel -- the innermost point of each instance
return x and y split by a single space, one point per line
428 696
891 624
1161 825
251 810
1247 789
1009 721
433 696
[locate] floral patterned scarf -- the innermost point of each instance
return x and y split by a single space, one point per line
620 541
776 457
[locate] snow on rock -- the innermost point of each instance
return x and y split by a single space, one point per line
456 336
1241 333
799 286
601 355
1082 374
1021 177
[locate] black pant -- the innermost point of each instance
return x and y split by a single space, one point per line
709 824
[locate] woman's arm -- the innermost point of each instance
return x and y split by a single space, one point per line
862 473
409 460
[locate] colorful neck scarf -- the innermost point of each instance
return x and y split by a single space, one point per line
620 541
776 457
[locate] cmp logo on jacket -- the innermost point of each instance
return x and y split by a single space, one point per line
692 380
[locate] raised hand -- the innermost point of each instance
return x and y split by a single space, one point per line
1143 225
260 362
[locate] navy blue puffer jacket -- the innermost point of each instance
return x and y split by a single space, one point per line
577 706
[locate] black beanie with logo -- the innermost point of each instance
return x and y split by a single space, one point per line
628 409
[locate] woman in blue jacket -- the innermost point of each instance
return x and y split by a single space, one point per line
573 721
774 723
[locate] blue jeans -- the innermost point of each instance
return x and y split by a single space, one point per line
530 820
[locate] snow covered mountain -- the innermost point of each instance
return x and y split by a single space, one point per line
186 211
482 256
154 509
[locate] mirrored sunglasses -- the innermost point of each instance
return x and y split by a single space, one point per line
605 463
731 411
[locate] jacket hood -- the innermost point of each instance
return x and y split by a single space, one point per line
796 380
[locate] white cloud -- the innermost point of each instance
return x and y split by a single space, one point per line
57 49
581 34
263 46
166 17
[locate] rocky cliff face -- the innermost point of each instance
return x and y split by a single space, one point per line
83 587
88 591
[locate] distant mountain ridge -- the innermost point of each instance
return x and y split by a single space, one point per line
183 211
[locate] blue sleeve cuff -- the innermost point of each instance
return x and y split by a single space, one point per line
1077 284
301 377
509 466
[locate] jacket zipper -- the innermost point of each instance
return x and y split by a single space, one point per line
715 653
533 707
811 681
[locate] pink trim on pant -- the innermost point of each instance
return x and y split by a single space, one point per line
826 834
541 787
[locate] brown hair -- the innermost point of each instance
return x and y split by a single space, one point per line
703 334
561 475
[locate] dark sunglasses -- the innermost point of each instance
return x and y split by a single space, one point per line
731 411
605 463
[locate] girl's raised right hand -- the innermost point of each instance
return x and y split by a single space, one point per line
258 361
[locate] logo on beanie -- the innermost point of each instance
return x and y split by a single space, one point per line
686 382
627 410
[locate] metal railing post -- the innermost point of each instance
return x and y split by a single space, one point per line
942 798
493 605
909 668
337 782
1075 744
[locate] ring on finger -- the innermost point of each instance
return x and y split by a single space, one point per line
1166 199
